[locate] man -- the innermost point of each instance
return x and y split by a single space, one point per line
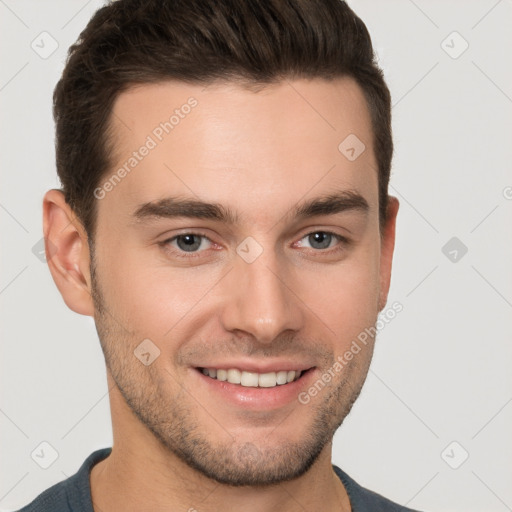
224 217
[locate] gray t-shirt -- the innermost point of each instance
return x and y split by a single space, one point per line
74 493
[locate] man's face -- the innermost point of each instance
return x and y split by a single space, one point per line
259 285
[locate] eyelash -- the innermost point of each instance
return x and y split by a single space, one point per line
190 255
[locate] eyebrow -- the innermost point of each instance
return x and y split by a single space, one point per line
172 207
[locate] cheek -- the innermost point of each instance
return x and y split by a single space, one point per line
149 296
344 296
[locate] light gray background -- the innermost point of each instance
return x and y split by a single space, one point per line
441 371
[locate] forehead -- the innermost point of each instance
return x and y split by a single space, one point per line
226 143
322 106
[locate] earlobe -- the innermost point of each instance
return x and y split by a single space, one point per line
387 249
67 252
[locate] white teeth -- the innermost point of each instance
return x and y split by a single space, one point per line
249 379
234 376
281 377
267 380
253 379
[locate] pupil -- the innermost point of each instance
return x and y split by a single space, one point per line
322 239
188 242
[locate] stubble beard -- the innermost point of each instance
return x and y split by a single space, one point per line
171 419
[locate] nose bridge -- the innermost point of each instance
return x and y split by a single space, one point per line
261 302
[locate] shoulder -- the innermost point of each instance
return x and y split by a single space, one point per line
72 494
364 500
52 499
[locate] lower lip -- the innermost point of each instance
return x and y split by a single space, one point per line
253 398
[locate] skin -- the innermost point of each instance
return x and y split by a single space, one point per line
178 443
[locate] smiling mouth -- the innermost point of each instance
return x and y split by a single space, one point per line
253 379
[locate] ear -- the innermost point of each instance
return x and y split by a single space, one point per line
67 253
387 248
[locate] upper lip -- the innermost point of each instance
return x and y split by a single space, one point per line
258 367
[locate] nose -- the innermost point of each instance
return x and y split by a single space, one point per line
260 300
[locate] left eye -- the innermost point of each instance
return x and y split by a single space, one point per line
189 242
321 239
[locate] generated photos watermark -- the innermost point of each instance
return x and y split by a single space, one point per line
342 360
157 135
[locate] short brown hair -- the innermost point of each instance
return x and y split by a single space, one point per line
131 42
